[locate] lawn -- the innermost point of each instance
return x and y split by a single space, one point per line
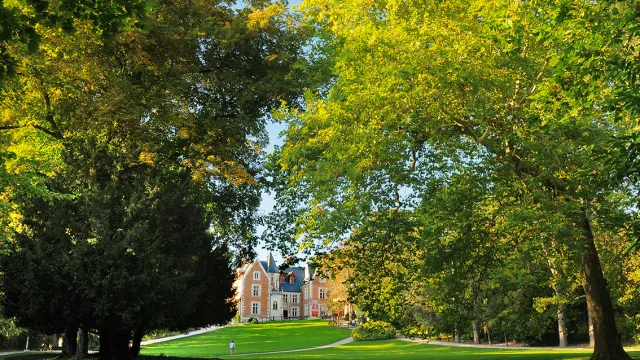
249 338
397 349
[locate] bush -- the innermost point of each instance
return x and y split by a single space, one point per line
157 334
416 331
253 320
374 330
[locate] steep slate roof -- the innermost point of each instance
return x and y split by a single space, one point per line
298 274
270 265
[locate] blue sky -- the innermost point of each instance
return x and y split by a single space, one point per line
274 130
267 203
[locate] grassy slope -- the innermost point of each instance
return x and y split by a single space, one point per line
271 336
396 349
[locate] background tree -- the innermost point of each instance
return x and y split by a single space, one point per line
492 83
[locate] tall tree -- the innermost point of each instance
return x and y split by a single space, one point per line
500 84
150 141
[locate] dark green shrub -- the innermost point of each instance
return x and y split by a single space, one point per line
253 320
374 330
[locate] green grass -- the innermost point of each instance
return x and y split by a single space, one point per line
397 349
30 355
249 338
279 336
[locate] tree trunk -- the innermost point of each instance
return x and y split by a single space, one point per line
476 332
562 321
607 340
562 326
456 336
592 339
70 341
83 343
488 335
106 345
137 339
121 350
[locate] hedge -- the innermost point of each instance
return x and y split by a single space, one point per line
374 330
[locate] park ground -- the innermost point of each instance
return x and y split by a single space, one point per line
256 340
307 339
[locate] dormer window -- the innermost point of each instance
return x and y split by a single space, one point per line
292 279
282 278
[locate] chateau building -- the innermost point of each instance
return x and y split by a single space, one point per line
268 294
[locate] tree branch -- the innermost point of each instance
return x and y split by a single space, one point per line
38 127
10 127
55 132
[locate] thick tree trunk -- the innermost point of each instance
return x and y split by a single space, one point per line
114 345
70 341
592 339
83 343
607 341
137 339
476 332
562 326
121 346
106 345
488 336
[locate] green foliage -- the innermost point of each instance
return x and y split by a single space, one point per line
417 331
141 145
374 330
480 123
253 320
21 21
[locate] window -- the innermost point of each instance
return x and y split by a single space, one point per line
281 278
306 293
292 279
285 298
255 308
256 290
322 293
275 305
294 300
306 310
256 275
294 312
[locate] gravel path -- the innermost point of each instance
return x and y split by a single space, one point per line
480 346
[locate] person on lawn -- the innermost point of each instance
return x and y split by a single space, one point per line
232 347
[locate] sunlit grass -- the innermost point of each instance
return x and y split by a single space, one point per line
249 338
279 336
396 349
